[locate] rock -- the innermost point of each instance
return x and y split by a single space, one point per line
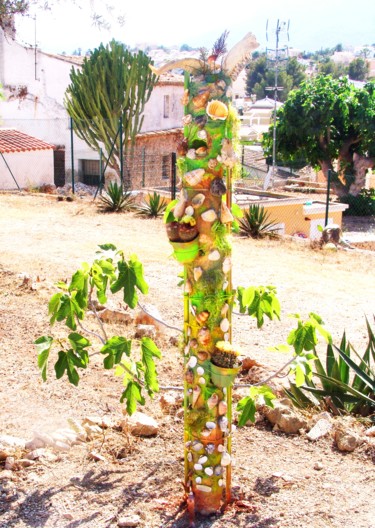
143 330
94 455
320 429
140 424
9 445
370 431
10 463
318 466
36 454
170 402
43 439
61 446
248 363
102 421
116 316
5 475
284 417
34 444
93 431
24 462
346 440
131 520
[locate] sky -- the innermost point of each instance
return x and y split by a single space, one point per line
312 25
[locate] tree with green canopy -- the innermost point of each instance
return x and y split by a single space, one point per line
260 75
326 121
111 89
328 67
358 69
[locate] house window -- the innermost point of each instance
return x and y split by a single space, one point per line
91 172
165 165
166 105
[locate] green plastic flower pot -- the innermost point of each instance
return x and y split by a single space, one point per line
223 377
186 251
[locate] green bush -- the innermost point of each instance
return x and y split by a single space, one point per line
341 384
361 205
116 199
152 207
255 223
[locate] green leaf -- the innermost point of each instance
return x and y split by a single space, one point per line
126 281
137 267
300 375
107 247
149 351
247 408
248 296
43 346
78 281
168 213
347 388
61 364
132 395
115 347
236 210
359 372
78 341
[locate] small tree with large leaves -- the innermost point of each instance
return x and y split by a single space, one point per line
110 272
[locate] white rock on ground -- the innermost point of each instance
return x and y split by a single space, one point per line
132 520
140 424
320 429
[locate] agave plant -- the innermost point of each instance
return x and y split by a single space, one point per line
153 206
116 199
345 385
255 223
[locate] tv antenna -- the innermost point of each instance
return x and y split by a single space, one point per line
276 56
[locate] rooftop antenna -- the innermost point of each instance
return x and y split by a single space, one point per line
276 56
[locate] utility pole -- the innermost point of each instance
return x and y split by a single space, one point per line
276 56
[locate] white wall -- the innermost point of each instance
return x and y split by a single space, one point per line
41 112
30 168
154 110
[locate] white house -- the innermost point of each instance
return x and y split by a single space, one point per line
34 85
257 118
25 161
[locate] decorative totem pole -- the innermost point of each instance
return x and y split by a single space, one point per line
197 227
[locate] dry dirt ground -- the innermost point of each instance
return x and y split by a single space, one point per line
277 476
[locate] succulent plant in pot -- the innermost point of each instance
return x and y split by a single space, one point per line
226 355
225 364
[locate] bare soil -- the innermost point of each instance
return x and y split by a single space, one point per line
281 481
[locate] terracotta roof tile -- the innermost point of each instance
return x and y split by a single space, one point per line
15 141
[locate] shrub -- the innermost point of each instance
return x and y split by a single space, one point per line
255 223
153 207
344 385
361 205
116 199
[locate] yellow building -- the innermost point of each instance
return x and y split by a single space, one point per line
294 216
